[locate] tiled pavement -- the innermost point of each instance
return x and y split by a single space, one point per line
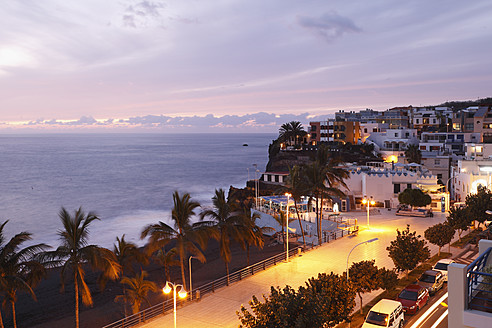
219 309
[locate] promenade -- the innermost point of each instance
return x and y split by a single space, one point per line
219 309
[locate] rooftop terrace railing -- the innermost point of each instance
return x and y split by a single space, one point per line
479 283
208 288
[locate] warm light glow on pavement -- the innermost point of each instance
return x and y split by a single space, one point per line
441 318
429 311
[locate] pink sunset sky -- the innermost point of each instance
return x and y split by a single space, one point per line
233 65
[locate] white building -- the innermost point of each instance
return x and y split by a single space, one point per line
469 175
384 181
393 142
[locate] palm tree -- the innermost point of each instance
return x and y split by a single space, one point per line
136 291
251 233
166 259
323 179
186 235
226 224
281 218
74 252
127 254
291 130
295 186
19 268
413 154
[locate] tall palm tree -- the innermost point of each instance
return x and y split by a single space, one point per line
323 178
19 268
74 252
187 236
297 188
136 291
226 224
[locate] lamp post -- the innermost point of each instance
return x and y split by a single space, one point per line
287 227
364 242
191 288
181 294
368 201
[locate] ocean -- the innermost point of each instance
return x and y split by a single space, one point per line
126 179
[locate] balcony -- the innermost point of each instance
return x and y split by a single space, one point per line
479 283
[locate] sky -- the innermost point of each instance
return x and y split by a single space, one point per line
230 65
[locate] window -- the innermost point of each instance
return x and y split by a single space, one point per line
439 176
407 134
469 126
422 148
313 127
409 186
374 130
396 188
417 121
437 162
365 130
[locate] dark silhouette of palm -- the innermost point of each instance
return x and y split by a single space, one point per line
297 188
292 130
74 252
127 254
19 268
226 223
188 237
136 290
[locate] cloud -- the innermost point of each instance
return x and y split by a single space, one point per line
143 14
329 26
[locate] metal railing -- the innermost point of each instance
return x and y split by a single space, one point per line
479 284
205 289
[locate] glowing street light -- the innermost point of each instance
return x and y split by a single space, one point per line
366 201
181 294
364 242
287 226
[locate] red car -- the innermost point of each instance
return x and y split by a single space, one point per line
413 298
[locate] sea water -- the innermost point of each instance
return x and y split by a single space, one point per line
126 179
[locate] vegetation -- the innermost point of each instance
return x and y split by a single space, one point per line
407 250
365 277
74 252
136 291
459 220
291 131
478 203
439 234
294 185
186 235
413 154
324 302
414 197
20 270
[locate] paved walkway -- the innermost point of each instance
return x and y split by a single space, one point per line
219 309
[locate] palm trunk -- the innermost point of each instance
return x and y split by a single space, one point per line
300 224
247 253
13 314
182 271
76 302
1 320
227 272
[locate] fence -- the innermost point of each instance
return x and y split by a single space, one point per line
205 289
480 284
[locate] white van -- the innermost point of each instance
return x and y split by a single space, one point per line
386 313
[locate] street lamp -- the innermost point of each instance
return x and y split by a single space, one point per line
191 288
287 226
364 242
181 294
368 201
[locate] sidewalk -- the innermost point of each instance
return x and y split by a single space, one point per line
219 309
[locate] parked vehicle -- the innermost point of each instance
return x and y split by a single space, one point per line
386 313
442 266
432 280
408 211
413 298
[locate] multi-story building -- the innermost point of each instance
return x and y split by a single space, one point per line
335 130
396 117
464 120
391 144
483 123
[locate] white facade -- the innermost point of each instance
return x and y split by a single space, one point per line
393 142
469 175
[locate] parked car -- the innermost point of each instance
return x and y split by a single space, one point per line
442 266
413 298
386 313
432 280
